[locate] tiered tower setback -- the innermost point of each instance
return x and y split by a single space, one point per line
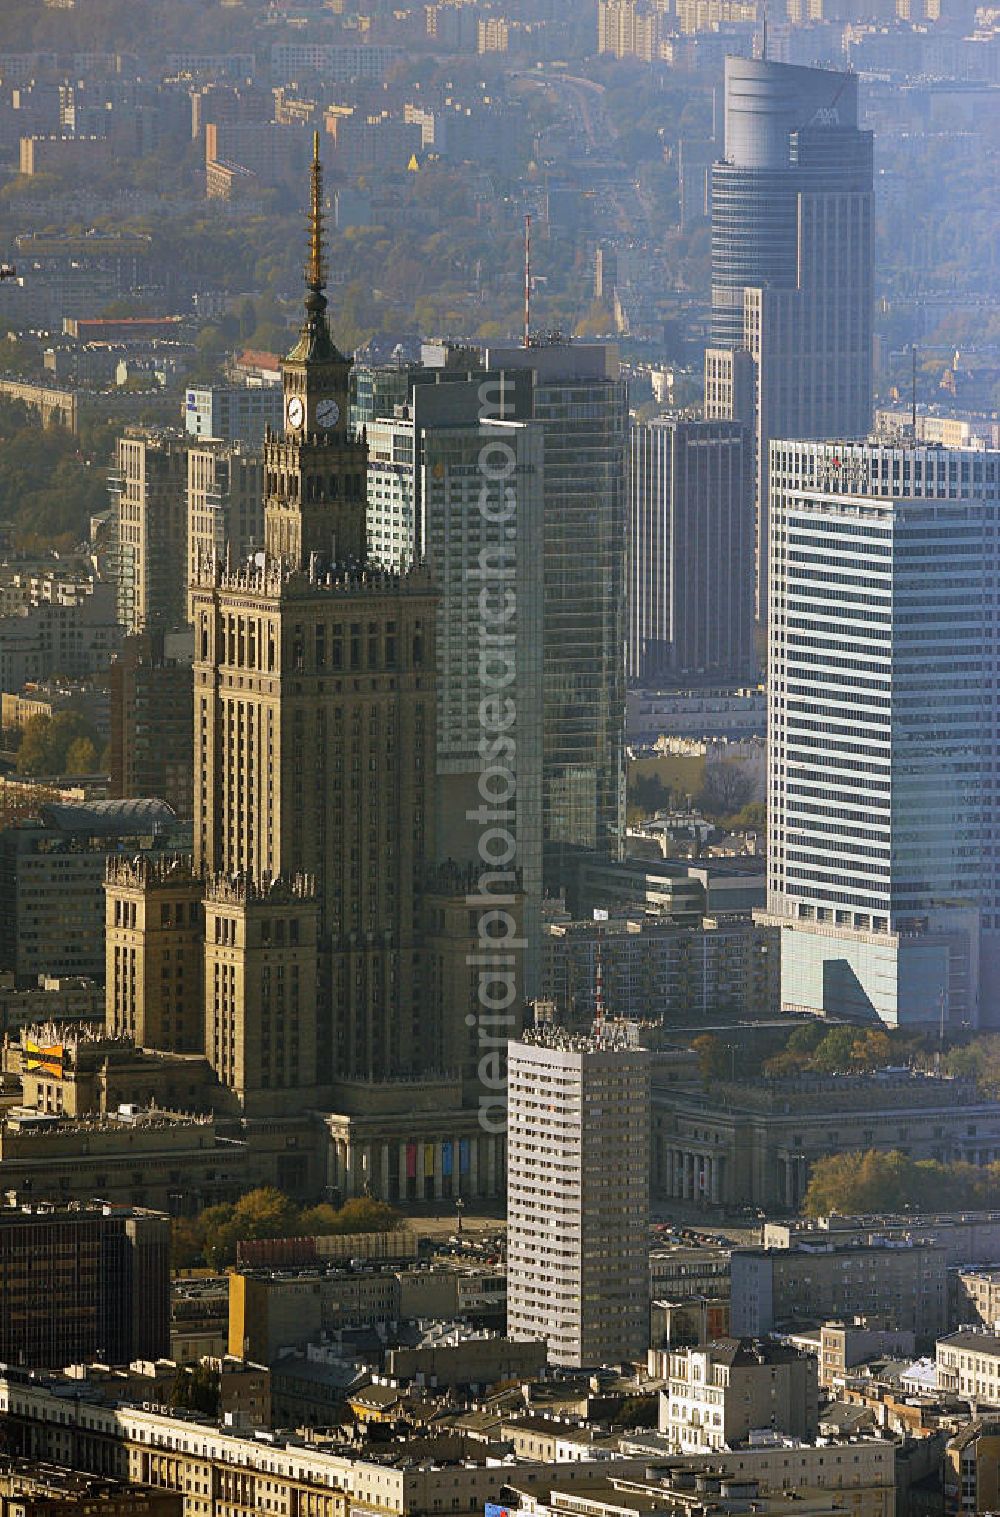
315 718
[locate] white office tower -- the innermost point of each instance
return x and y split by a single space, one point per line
578 1121
883 836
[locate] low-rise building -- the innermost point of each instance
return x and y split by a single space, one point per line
74 639
967 1237
674 1491
977 1297
273 1309
233 412
54 999
199 1318
894 1285
972 1468
31 1489
81 1071
684 1271
719 1394
52 880
655 971
682 1324
968 1363
844 1345
453 1356
862 1474
174 1162
740 1143
234 1475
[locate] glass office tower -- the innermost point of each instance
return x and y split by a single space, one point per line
581 402
791 263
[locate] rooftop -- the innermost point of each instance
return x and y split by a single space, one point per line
106 816
746 1352
968 1338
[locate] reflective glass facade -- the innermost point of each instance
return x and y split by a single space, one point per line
582 405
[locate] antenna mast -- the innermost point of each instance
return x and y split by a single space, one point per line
598 993
913 389
527 280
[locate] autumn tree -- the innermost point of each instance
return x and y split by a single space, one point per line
49 740
872 1181
81 756
213 1236
714 1057
362 1214
725 790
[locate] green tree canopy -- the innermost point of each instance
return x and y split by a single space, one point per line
62 744
197 1389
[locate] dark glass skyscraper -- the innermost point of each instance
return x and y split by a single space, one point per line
580 400
791 263
689 568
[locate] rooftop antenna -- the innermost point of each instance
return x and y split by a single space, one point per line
527 280
598 993
913 389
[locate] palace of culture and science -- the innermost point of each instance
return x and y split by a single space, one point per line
312 951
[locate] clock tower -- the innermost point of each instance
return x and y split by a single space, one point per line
315 474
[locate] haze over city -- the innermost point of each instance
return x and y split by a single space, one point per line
499 758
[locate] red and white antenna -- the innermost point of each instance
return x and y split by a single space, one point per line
527 280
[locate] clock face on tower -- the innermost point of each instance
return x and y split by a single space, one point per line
295 411
328 413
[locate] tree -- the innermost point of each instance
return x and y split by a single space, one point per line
316 1221
714 1057
81 756
266 1213
872 1181
836 1052
362 1214
248 319
213 1236
752 816
872 1050
187 1240
785 1064
636 1411
647 793
806 1037
725 789
197 1389
48 740
218 1235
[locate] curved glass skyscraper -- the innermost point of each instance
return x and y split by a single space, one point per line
791 263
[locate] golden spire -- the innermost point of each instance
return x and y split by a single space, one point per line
315 271
314 335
